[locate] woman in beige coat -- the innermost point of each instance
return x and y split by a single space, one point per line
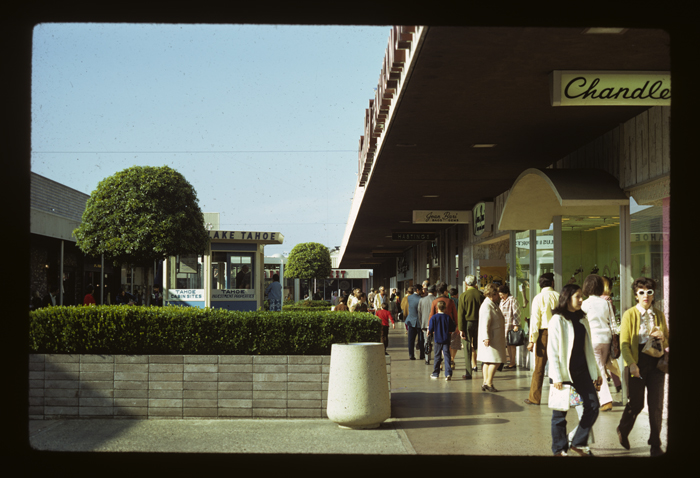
492 341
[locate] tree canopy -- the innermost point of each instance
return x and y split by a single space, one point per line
309 260
141 214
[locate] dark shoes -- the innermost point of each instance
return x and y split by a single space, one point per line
561 453
411 358
466 377
656 450
527 400
624 441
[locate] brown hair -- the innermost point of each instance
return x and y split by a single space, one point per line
593 285
607 286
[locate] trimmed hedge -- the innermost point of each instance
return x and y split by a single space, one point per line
130 330
308 304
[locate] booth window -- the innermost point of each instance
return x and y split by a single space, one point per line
233 270
185 272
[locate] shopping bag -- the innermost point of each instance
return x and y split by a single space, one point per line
559 399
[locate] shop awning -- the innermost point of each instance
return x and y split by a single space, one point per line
537 195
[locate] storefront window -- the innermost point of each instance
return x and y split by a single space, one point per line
232 270
522 269
185 272
545 252
649 244
591 245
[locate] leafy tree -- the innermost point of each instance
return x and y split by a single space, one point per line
309 260
142 214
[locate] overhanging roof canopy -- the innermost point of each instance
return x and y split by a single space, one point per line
540 194
469 86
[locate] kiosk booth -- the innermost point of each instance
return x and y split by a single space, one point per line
230 275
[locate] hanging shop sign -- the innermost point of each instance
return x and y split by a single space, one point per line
483 217
611 88
247 236
440 217
413 236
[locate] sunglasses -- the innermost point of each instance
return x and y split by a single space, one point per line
645 292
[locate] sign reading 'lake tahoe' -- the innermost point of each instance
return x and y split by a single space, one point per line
611 88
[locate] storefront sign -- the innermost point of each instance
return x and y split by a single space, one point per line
543 242
412 236
647 237
440 217
185 294
247 236
611 88
479 212
233 294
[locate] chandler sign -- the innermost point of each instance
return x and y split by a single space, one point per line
611 88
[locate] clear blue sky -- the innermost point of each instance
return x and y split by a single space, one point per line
264 121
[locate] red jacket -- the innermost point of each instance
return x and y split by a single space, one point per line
385 315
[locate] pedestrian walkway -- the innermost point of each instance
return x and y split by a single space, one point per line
429 417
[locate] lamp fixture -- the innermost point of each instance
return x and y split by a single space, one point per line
604 31
484 145
430 195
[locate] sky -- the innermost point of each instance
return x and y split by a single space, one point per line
263 120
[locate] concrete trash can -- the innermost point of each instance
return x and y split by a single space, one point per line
358 390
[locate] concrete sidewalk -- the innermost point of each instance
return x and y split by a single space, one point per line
429 417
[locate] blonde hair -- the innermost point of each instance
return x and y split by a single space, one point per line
607 286
490 289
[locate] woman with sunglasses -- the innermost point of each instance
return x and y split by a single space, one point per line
640 324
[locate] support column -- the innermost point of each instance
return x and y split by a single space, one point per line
625 281
60 277
558 254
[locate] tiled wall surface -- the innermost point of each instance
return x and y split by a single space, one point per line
179 386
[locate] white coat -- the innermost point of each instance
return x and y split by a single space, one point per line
560 343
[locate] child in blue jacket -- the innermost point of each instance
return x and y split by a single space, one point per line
442 326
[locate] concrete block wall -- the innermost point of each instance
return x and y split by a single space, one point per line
179 386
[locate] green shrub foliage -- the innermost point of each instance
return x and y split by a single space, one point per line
307 305
129 330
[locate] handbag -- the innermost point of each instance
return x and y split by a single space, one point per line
663 363
516 337
559 399
615 338
653 347
574 398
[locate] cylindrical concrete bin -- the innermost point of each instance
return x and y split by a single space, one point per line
358 388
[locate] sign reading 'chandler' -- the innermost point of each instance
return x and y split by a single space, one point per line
440 217
611 88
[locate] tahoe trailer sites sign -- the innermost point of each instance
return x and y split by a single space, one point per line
611 88
441 217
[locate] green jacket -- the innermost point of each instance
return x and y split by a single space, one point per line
469 303
629 333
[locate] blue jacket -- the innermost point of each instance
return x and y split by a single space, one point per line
413 318
442 326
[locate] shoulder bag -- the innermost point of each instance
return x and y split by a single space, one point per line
615 337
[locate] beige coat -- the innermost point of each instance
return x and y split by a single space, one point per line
492 327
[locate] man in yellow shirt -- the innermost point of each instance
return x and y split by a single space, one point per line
541 312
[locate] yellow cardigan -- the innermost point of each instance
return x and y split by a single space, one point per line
629 333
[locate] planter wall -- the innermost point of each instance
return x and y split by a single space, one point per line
179 386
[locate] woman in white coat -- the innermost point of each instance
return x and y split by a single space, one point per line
599 314
492 342
571 361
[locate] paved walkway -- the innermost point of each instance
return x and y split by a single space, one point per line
429 417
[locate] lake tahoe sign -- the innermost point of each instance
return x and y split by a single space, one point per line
611 88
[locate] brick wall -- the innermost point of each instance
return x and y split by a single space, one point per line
179 386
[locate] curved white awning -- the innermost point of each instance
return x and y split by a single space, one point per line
537 195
